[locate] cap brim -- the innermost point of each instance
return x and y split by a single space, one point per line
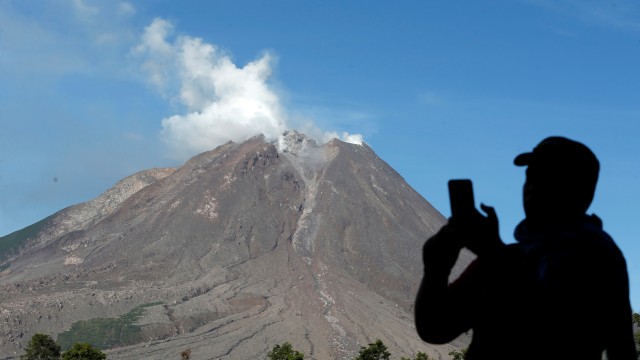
523 159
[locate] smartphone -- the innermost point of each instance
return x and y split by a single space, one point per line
461 198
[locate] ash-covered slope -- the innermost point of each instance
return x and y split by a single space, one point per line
78 216
241 248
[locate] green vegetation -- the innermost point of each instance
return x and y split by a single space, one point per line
285 352
16 239
83 351
41 347
419 356
375 351
106 333
458 355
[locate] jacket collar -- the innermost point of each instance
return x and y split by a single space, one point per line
524 233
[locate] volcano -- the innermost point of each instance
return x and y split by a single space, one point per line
243 247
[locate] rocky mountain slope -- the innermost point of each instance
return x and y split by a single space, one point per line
242 247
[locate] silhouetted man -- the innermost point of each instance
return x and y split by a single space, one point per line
560 292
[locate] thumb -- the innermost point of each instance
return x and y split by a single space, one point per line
490 211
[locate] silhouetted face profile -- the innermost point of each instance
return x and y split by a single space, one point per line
561 180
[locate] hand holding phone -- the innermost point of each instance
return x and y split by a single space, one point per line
481 233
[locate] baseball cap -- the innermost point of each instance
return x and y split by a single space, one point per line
562 154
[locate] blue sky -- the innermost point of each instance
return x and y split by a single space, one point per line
92 91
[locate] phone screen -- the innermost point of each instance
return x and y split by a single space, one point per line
461 197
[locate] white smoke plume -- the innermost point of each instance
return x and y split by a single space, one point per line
222 101
346 137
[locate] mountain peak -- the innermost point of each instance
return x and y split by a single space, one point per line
295 143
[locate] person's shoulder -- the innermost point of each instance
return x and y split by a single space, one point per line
593 238
592 228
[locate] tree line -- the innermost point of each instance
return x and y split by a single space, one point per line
43 347
375 351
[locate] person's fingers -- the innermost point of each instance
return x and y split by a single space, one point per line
490 211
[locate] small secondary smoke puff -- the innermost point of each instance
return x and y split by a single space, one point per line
223 102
